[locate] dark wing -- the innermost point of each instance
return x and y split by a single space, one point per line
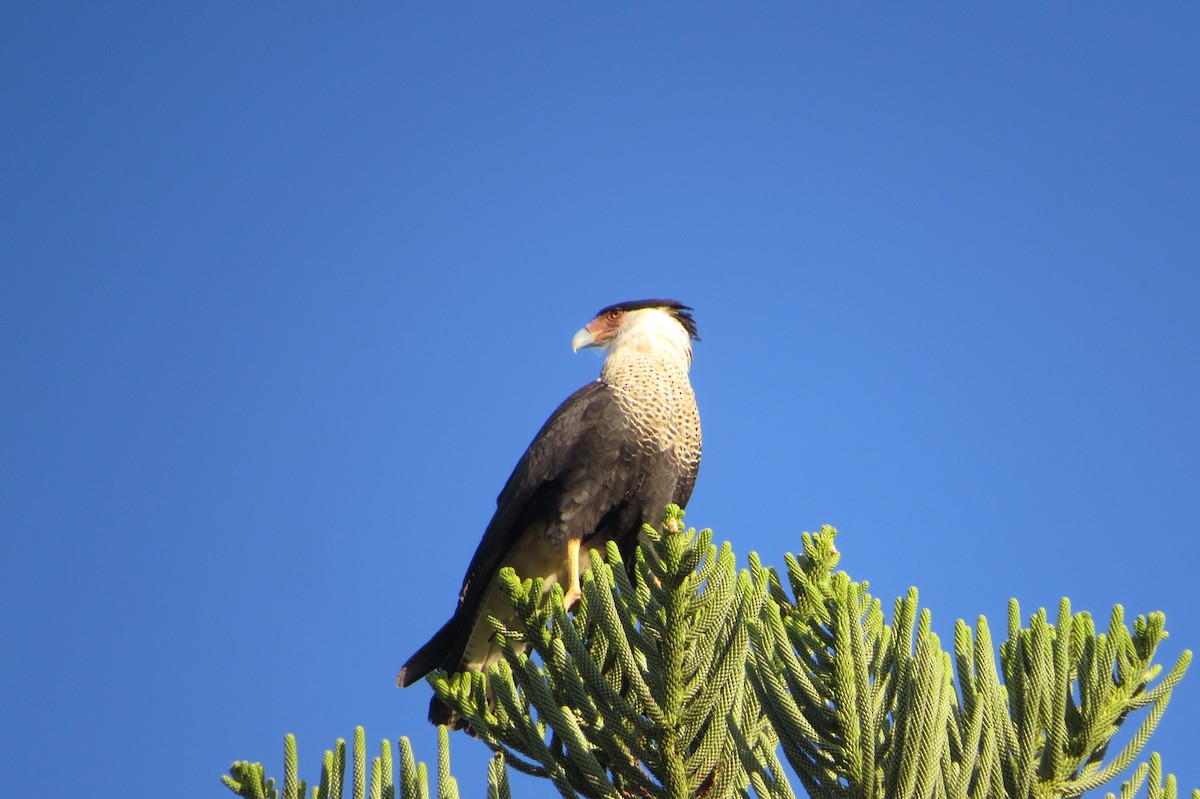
585 428
536 483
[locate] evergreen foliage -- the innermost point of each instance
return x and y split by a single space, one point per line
686 680
642 692
865 710
249 780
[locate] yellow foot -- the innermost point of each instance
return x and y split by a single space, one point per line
573 593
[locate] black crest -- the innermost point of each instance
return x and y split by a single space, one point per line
676 308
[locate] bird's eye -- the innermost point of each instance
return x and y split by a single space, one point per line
614 313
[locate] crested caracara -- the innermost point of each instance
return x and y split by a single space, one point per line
608 461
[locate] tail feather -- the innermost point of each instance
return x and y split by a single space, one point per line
429 657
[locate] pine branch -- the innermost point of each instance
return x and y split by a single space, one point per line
249 779
643 691
685 676
864 710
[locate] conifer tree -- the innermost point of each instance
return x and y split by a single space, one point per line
687 678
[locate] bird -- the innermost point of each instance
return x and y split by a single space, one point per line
607 461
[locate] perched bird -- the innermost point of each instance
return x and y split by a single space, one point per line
608 461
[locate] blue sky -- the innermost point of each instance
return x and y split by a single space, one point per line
288 290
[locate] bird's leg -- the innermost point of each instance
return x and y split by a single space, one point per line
574 592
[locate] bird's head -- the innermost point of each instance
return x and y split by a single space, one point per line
649 326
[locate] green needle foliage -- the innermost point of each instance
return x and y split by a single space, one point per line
249 780
642 692
864 708
688 678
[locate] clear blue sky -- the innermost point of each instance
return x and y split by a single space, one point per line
287 290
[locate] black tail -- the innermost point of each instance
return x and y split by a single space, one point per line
429 657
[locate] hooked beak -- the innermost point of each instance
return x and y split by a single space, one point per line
583 338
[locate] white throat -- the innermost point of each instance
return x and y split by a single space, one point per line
654 335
